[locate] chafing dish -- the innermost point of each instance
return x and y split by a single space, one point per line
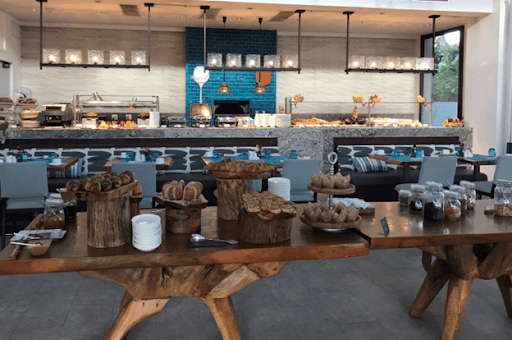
200 122
177 122
225 122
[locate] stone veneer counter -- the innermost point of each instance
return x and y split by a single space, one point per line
307 141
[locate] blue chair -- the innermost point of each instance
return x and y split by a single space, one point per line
24 186
145 173
299 171
503 171
435 169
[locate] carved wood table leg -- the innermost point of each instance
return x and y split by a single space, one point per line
133 313
224 315
505 284
458 291
436 279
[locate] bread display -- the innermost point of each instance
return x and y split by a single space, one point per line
101 182
266 204
338 181
236 166
340 213
180 191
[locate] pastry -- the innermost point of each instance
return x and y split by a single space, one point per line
125 179
137 191
106 185
131 174
316 181
116 181
73 185
93 186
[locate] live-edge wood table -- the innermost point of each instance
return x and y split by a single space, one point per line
477 246
212 274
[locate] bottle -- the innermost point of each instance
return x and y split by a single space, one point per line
433 202
416 197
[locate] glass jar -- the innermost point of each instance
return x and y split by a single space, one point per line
452 206
403 196
503 198
462 192
416 197
499 191
70 208
470 194
53 216
433 203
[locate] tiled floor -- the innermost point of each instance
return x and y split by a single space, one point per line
357 298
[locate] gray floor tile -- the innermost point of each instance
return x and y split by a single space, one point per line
40 333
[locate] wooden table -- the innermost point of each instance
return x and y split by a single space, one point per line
168 162
66 164
209 274
476 164
477 246
405 163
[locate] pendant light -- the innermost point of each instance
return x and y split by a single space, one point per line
259 88
224 88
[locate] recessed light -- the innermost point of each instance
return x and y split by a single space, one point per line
239 19
382 13
33 9
249 8
183 16
97 1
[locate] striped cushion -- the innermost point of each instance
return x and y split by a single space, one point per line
366 164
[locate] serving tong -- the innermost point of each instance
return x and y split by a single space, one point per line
198 240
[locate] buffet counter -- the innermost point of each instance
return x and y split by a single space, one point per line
311 142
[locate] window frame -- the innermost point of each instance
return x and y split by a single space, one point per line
461 66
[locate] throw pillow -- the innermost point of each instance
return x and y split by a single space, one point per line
366 164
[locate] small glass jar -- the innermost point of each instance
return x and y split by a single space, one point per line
462 192
470 194
433 203
499 191
53 216
452 206
70 208
416 197
403 196
503 198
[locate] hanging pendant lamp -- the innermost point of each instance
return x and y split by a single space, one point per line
224 88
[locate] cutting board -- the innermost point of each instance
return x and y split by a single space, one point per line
263 77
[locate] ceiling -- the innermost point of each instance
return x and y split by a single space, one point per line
175 14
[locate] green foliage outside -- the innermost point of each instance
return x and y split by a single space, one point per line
446 81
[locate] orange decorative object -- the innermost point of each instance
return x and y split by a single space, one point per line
357 98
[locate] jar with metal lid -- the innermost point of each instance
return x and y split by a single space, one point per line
503 198
53 216
452 206
470 194
403 196
416 197
433 203
462 192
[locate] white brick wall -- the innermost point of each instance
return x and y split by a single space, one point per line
321 80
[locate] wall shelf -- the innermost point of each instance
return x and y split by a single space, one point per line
95 65
279 69
387 70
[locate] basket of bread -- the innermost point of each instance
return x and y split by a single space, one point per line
239 169
266 218
336 184
183 204
339 218
102 186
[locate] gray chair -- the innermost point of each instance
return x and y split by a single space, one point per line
503 171
145 173
299 171
435 169
23 188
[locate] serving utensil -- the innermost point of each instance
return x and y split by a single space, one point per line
199 238
37 244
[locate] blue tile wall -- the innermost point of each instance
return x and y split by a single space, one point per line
241 83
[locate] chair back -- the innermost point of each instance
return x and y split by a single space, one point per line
299 171
145 174
22 180
438 169
503 168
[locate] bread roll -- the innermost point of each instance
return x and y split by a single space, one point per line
93 186
138 190
131 174
125 178
106 185
73 185
116 182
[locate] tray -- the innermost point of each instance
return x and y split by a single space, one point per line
195 204
55 234
331 227
238 175
98 196
350 190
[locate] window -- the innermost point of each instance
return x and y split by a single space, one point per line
445 87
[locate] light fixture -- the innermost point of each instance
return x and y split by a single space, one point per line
224 88
373 62
95 57
51 56
424 64
290 61
234 60
407 63
116 57
391 63
252 60
215 59
356 62
73 56
138 57
259 88
271 61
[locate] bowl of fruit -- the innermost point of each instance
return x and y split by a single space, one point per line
375 98
357 98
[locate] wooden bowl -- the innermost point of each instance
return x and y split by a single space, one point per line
40 249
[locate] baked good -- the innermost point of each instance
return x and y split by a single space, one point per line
236 166
267 204
125 179
192 190
106 185
338 214
131 174
93 186
137 191
73 185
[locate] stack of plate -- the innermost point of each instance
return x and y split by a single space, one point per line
283 120
146 232
279 186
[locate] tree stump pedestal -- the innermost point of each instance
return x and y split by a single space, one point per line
182 217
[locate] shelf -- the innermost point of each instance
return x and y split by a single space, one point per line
95 65
390 71
280 69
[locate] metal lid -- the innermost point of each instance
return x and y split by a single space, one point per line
54 201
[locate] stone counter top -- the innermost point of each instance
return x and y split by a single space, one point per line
307 141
